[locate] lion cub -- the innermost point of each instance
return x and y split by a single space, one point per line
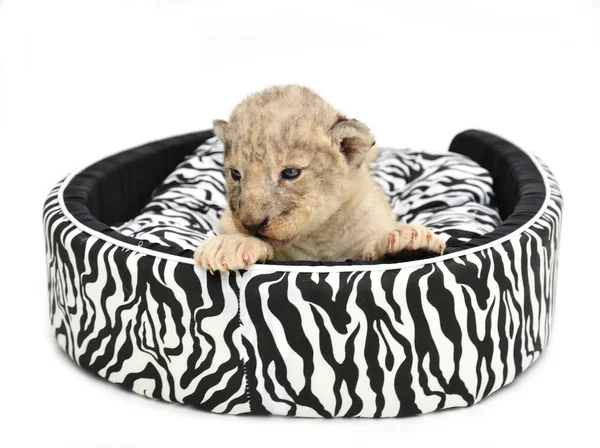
299 187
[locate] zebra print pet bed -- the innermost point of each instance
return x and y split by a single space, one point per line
365 339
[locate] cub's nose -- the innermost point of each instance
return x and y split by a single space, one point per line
254 225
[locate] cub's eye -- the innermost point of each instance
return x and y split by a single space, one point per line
235 174
290 173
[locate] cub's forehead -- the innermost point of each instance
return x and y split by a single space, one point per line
276 144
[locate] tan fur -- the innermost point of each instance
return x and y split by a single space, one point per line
333 211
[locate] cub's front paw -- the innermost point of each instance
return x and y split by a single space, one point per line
225 252
404 237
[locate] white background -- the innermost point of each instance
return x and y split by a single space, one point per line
79 81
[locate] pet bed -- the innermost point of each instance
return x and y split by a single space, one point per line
367 339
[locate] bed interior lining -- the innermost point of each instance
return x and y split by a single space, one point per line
116 188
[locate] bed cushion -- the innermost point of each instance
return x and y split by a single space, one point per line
448 192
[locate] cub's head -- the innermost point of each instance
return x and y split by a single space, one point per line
291 161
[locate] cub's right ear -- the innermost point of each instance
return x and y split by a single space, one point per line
353 138
220 128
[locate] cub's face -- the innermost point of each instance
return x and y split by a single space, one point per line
282 184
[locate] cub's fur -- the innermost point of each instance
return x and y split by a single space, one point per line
299 187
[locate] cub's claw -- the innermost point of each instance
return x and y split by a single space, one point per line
229 252
404 237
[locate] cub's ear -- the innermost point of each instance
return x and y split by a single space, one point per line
353 138
220 128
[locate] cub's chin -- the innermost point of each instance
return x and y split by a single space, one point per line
275 242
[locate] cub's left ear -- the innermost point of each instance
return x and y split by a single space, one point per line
354 139
220 128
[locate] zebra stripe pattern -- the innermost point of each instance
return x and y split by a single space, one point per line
363 341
